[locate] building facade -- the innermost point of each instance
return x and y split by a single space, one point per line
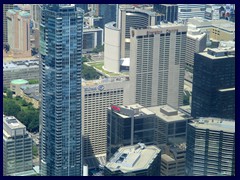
17 147
210 148
186 11
18 26
196 42
170 124
92 37
61 32
170 11
173 160
97 96
214 82
134 160
6 7
157 64
128 125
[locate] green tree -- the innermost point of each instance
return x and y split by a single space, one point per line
10 107
35 150
9 94
89 73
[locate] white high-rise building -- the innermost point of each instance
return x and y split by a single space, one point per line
97 96
157 64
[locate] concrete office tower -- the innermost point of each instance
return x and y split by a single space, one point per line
6 7
157 64
170 11
18 25
97 96
173 160
210 148
186 11
170 125
196 42
61 32
17 147
213 92
112 52
134 160
128 125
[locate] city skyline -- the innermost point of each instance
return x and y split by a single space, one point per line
96 87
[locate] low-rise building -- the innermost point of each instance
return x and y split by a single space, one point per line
25 69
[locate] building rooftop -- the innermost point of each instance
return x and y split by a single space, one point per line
19 81
103 81
133 158
135 109
31 90
12 122
215 124
205 23
167 158
20 64
168 113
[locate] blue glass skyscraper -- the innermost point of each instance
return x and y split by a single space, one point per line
60 116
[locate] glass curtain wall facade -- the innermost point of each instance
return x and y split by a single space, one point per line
60 116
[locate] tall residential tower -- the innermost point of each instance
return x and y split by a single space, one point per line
61 31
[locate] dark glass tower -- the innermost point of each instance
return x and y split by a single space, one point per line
170 11
60 116
214 84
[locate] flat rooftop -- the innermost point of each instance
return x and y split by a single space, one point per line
133 158
103 81
12 122
168 109
215 124
20 64
167 158
137 109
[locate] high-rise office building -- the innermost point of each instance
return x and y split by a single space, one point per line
186 11
128 125
134 160
92 37
61 32
157 64
210 148
17 147
196 42
6 7
170 124
97 96
214 82
170 11
18 25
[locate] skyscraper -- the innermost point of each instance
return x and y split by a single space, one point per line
61 32
210 148
6 7
157 64
214 82
18 25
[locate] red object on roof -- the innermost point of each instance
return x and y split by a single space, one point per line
116 108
